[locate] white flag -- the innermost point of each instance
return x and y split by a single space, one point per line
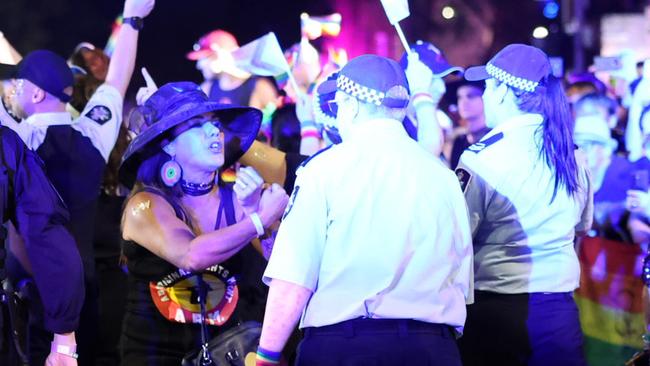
8 54
396 10
262 56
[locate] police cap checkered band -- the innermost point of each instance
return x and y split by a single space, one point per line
370 79
517 65
359 91
509 79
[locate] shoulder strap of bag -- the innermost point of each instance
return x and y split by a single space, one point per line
226 206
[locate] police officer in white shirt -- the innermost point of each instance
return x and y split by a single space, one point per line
374 249
527 196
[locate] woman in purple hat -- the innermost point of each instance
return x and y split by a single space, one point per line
528 197
180 222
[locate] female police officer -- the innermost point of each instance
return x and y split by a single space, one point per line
527 197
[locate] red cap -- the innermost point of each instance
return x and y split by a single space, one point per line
211 42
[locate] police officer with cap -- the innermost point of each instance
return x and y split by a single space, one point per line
75 151
528 197
374 248
30 203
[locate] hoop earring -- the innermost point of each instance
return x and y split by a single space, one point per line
171 172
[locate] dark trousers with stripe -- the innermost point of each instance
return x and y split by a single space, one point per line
379 342
523 329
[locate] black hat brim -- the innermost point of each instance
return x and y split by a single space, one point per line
240 125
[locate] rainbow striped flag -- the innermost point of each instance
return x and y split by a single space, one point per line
610 300
115 30
313 27
281 80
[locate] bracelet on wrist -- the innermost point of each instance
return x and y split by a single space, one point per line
420 99
64 349
310 129
137 23
311 133
255 218
266 357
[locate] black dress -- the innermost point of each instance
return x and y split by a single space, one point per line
148 337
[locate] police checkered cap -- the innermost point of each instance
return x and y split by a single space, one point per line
510 79
517 65
349 86
369 78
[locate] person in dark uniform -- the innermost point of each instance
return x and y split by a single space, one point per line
528 197
75 151
32 205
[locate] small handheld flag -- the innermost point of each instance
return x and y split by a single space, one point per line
115 30
397 10
313 27
264 56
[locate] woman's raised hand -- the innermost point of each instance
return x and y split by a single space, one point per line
248 188
274 201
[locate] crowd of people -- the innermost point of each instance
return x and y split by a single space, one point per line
372 213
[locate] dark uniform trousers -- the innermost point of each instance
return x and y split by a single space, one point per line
379 342
522 329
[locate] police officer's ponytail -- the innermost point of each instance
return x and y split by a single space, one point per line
557 149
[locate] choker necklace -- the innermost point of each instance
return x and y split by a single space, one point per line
196 189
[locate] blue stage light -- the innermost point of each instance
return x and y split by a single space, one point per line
551 10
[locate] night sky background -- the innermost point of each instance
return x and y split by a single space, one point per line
174 26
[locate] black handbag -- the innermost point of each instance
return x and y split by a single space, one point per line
228 348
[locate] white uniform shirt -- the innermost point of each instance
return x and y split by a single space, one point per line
523 243
100 122
378 228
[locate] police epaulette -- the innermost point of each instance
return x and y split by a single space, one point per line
479 146
315 155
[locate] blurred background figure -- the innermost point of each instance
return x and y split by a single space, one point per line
469 101
223 81
610 173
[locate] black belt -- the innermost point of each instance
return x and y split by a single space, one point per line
360 326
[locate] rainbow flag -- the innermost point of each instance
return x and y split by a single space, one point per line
229 175
338 56
610 300
281 80
115 30
313 27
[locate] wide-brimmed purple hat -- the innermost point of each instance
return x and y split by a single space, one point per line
517 65
170 106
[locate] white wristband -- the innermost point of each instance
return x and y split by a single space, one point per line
63 349
255 218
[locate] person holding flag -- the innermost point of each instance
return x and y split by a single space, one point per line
426 66
224 82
